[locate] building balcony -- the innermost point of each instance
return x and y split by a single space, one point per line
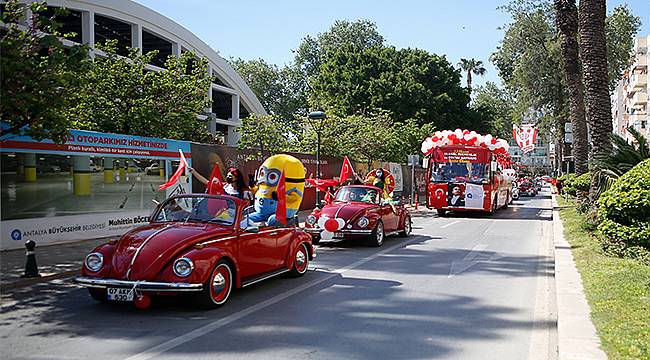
638 81
639 98
638 117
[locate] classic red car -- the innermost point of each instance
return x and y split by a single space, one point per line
196 243
358 211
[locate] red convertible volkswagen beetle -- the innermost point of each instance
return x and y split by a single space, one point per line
358 211
195 243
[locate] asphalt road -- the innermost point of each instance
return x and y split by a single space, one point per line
460 287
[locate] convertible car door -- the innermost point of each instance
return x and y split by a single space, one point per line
258 252
389 217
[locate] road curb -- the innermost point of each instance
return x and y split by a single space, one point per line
21 283
577 337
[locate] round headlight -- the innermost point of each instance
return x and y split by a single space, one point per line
311 220
183 267
94 261
363 222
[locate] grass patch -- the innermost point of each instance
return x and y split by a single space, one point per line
618 291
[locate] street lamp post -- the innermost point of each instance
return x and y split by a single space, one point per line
318 116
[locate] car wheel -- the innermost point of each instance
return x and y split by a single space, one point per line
300 261
407 227
98 294
377 236
218 288
442 212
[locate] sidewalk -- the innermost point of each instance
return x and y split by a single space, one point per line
577 338
54 261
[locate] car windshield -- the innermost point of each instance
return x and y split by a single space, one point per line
206 209
362 194
460 171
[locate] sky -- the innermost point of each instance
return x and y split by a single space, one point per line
271 29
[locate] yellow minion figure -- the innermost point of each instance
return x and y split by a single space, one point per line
268 177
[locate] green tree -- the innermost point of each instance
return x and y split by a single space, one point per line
621 27
472 66
358 35
566 19
593 46
121 95
281 91
266 134
38 74
529 56
408 83
498 104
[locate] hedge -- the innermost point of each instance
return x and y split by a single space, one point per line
624 214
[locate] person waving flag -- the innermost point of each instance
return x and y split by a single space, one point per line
346 170
182 165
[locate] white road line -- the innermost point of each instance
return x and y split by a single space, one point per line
450 224
170 344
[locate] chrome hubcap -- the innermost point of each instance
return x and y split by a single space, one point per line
219 283
300 258
380 233
408 226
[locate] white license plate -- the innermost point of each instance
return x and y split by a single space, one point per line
119 294
339 235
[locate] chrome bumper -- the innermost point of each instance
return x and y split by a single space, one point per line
316 231
138 285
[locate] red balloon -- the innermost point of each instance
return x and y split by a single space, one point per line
331 225
452 137
494 141
465 132
434 139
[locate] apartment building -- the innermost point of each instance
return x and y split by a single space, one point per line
630 98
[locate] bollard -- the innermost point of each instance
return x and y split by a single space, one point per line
417 197
31 269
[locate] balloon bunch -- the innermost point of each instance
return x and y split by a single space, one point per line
464 137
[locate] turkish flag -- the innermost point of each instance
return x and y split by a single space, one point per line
346 170
177 175
328 197
321 184
281 209
215 185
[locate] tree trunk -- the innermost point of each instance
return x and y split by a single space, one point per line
567 22
593 48
469 79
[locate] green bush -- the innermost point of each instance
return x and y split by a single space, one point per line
567 184
624 214
582 182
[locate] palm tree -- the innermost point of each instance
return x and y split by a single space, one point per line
566 20
593 52
471 66
623 157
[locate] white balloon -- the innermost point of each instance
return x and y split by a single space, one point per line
326 235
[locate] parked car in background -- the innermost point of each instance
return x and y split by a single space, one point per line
527 189
96 168
515 191
153 169
48 168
